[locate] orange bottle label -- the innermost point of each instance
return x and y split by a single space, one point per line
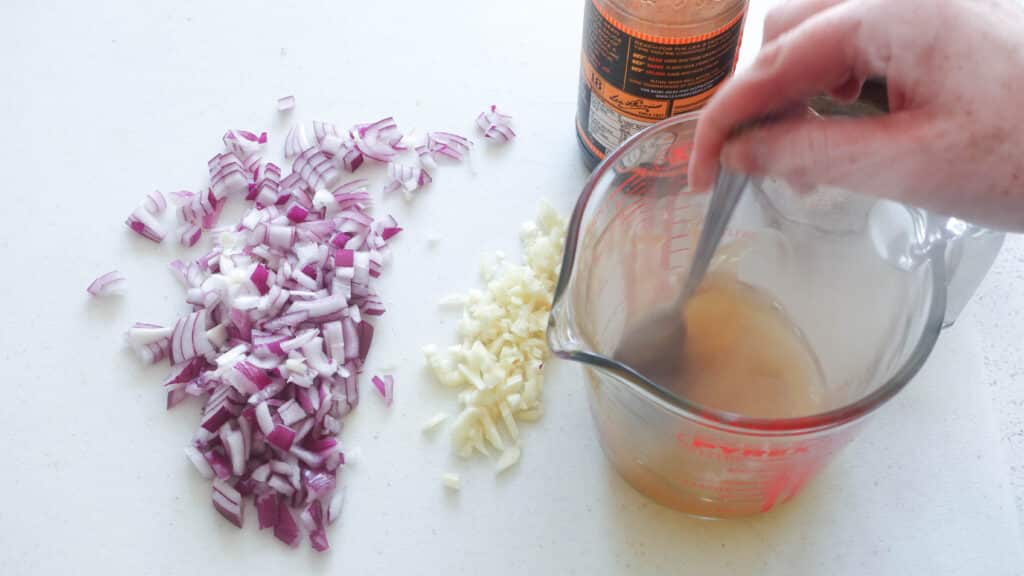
630 80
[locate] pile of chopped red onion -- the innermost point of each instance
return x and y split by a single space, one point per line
281 308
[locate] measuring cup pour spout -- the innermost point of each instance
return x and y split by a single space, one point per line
565 331
565 342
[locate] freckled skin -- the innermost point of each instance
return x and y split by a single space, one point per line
953 142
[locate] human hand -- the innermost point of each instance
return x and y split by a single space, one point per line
954 139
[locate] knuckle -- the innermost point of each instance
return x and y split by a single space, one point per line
769 57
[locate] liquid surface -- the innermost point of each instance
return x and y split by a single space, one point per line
743 355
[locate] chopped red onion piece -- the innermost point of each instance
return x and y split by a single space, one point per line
317 534
304 430
281 437
335 506
380 140
322 130
495 125
286 530
110 283
185 372
218 464
244 144
259 278
350 154
264 419
280 236
217 417
302 396
261 473
189 339
189 235
365 340
316 168
354 193
285 103
318 361
426 157
154 352
406 178
235 446
266 185
351 387
297 213
142 333
197 460
228 502
283 468
320 308
182 197
334 338
280 485
388 227
245 428
296 141
322 445
227 176
386 387
291 412
447 144
258 378
307 457
267 509
155 203
144 224
211 213
318 484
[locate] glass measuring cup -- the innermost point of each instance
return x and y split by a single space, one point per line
869 284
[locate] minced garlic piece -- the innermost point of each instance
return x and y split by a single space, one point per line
434 422
451 481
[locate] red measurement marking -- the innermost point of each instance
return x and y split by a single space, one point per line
679 154
698 444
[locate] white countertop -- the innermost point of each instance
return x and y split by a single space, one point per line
997 315
107 100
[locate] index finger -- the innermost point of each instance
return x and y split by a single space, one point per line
788 15
819 54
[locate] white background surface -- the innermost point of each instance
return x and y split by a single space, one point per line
106 100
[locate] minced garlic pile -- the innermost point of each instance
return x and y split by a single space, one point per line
498 367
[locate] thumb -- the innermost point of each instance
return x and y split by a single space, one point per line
882 155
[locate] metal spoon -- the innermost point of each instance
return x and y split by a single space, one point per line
654 347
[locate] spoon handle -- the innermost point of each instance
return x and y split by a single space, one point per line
728 189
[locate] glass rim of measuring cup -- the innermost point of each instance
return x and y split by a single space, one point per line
560 323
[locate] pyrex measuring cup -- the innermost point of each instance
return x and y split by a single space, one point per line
866 282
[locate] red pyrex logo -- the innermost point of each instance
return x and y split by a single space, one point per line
700 445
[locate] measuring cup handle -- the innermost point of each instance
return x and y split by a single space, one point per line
970 253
